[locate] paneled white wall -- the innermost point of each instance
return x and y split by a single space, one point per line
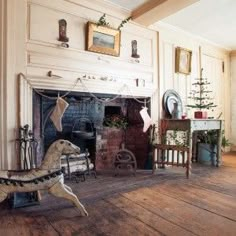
28 35
181 83
213 72
3 25
44 51
105 74
233 101
204 55
32 48
13 59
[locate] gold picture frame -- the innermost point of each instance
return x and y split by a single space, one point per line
183 59
103 39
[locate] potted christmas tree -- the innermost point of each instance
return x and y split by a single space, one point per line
200 96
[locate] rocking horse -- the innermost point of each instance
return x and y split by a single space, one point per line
48 176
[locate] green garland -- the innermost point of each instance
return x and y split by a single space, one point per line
102 22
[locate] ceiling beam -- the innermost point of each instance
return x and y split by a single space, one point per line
233 53
155 10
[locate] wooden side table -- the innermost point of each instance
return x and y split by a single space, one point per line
191 126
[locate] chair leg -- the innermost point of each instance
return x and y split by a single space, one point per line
188 167
153 161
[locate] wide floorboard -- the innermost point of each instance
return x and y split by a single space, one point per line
162 204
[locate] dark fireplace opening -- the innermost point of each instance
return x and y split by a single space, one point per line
112 110
83 125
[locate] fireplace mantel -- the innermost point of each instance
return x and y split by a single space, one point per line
83 83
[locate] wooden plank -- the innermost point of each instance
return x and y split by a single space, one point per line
162 204
118 184
36 226
8 226
20 224
104 219
221 180
68 221
218 203
124 224
191 218
149 218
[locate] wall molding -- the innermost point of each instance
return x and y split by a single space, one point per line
167 27
103 6
12 59
3 65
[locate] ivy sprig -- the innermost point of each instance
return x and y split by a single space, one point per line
124 22
102 22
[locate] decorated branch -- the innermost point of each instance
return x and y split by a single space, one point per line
200 94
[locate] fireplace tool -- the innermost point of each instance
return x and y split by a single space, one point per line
27 149
27 146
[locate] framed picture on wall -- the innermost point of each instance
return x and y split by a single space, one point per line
183 59
103 39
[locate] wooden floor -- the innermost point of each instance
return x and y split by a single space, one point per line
162 204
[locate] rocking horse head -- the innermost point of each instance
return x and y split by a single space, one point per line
66 147
52 159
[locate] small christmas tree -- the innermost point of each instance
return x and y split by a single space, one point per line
200 96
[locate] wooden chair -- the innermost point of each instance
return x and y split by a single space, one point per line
173 155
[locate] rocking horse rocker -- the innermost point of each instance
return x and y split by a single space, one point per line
48 176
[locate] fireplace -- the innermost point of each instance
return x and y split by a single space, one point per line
83 123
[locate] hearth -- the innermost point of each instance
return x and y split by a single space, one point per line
83 124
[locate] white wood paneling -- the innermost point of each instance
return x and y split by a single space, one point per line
181 83
43 48
203 55
28 37
3 130
212 70
13 59
233 101
145 45
43 26
44 53
104 74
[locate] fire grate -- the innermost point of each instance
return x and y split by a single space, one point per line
124 161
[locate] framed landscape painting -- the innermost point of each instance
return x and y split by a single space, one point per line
183 59
103 39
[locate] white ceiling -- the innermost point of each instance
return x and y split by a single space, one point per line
214 20
129 5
